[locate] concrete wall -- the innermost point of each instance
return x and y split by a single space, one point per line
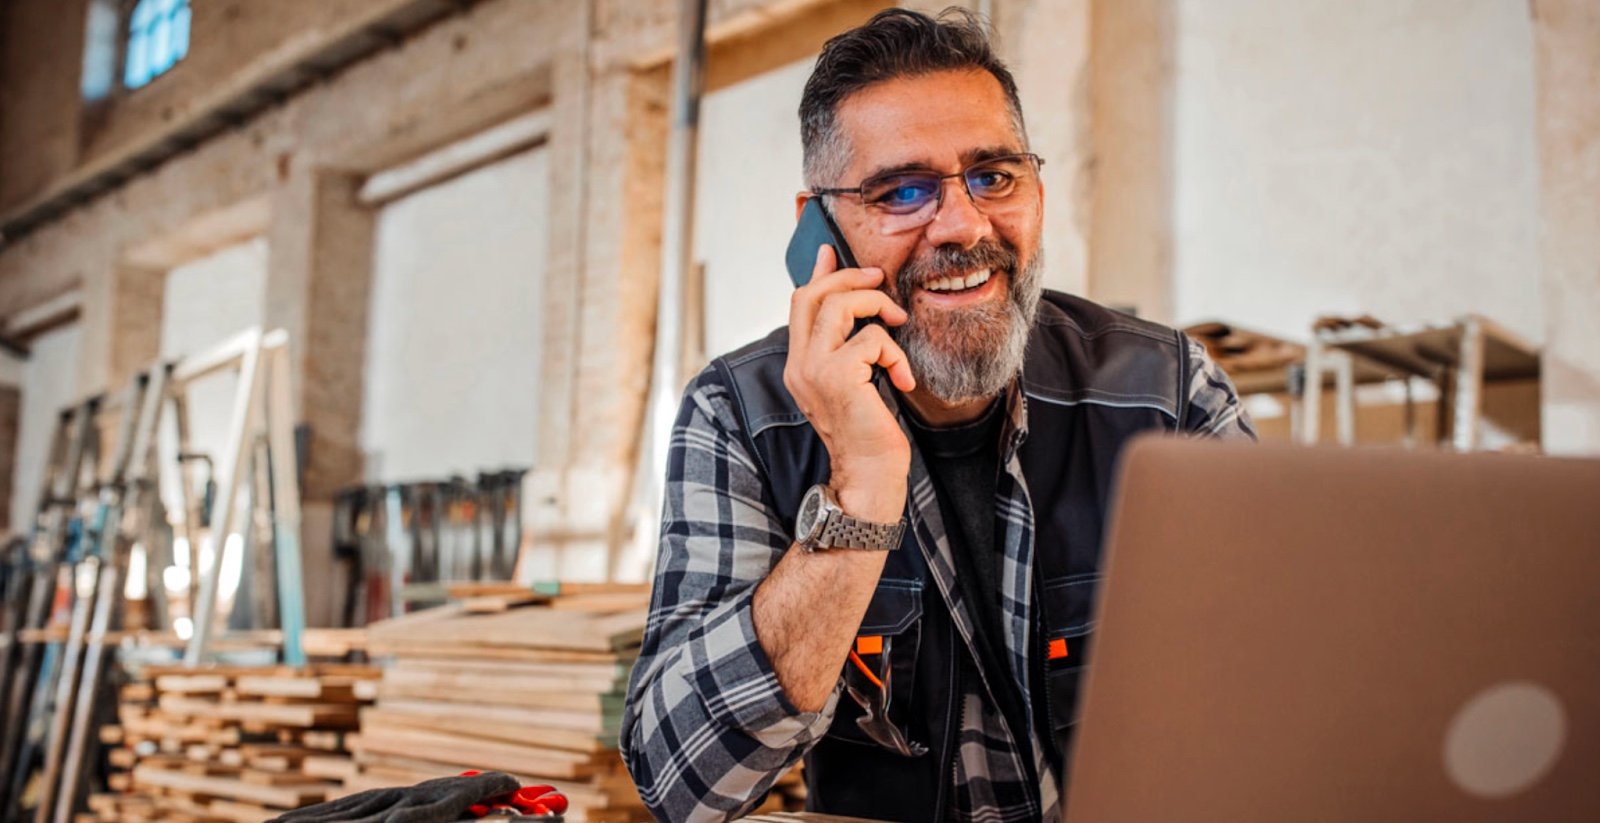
49 384
205 302
1568 37
749 172
452 376
1355 156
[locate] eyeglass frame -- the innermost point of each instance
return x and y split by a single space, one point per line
966 185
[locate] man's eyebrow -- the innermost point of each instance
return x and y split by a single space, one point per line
968 157
902 168
988 153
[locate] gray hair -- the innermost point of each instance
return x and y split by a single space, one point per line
894 43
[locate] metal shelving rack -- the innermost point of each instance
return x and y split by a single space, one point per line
1460 357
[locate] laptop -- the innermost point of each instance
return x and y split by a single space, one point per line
1289 634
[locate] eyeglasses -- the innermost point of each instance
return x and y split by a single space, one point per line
908 200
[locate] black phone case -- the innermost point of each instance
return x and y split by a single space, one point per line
815 229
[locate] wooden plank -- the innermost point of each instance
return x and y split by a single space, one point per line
240 812
497 603
603 671
528 628
354 671
556 588
603 603
327 688
321 740
299 714
137 692
484 754
401 648
467 589
464 708
191 683
322 642
577 704
329 767
490 681
284 797
157 671
278 778
273 756
487 728
398 626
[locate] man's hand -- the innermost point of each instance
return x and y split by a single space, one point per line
829 373
807 611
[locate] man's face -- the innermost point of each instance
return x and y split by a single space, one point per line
965 343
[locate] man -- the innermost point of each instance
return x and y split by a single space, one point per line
930 674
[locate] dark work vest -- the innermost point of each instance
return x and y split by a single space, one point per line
1093 378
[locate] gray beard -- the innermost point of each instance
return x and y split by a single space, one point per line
974 353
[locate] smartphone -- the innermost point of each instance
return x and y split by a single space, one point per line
816 229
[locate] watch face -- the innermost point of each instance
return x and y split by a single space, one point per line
805 523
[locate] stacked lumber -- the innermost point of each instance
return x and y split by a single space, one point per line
529 682
235 743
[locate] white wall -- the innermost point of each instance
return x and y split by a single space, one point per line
454 337
1347 156
205 302
49 383
748 173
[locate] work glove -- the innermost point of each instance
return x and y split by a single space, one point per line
441 800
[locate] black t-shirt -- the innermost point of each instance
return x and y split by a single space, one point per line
964 463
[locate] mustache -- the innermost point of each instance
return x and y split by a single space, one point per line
949 260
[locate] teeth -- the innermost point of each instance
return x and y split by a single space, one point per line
972 280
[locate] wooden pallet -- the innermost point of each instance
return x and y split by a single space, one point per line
230 744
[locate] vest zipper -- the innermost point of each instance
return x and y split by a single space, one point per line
1048 738
952 733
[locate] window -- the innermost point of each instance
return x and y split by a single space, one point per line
158 37
102 32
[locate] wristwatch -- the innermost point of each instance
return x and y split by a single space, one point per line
821 524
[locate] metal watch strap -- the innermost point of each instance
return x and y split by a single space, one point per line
841 531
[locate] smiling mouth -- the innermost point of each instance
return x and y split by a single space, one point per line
958 284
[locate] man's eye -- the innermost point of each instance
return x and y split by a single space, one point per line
903 193
991 179
906 194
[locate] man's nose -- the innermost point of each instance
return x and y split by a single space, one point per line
958 220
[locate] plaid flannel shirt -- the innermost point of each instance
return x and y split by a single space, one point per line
707 729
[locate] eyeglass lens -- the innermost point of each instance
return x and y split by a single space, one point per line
907 200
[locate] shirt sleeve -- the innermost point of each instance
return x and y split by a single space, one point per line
707 729
1214 407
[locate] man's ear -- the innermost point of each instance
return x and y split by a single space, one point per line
800 199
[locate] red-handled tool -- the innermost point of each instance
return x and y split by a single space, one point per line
528 801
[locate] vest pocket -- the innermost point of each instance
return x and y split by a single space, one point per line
1068 615
880 671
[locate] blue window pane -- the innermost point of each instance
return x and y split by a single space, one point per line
158 37
180 33
135 75
160 61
